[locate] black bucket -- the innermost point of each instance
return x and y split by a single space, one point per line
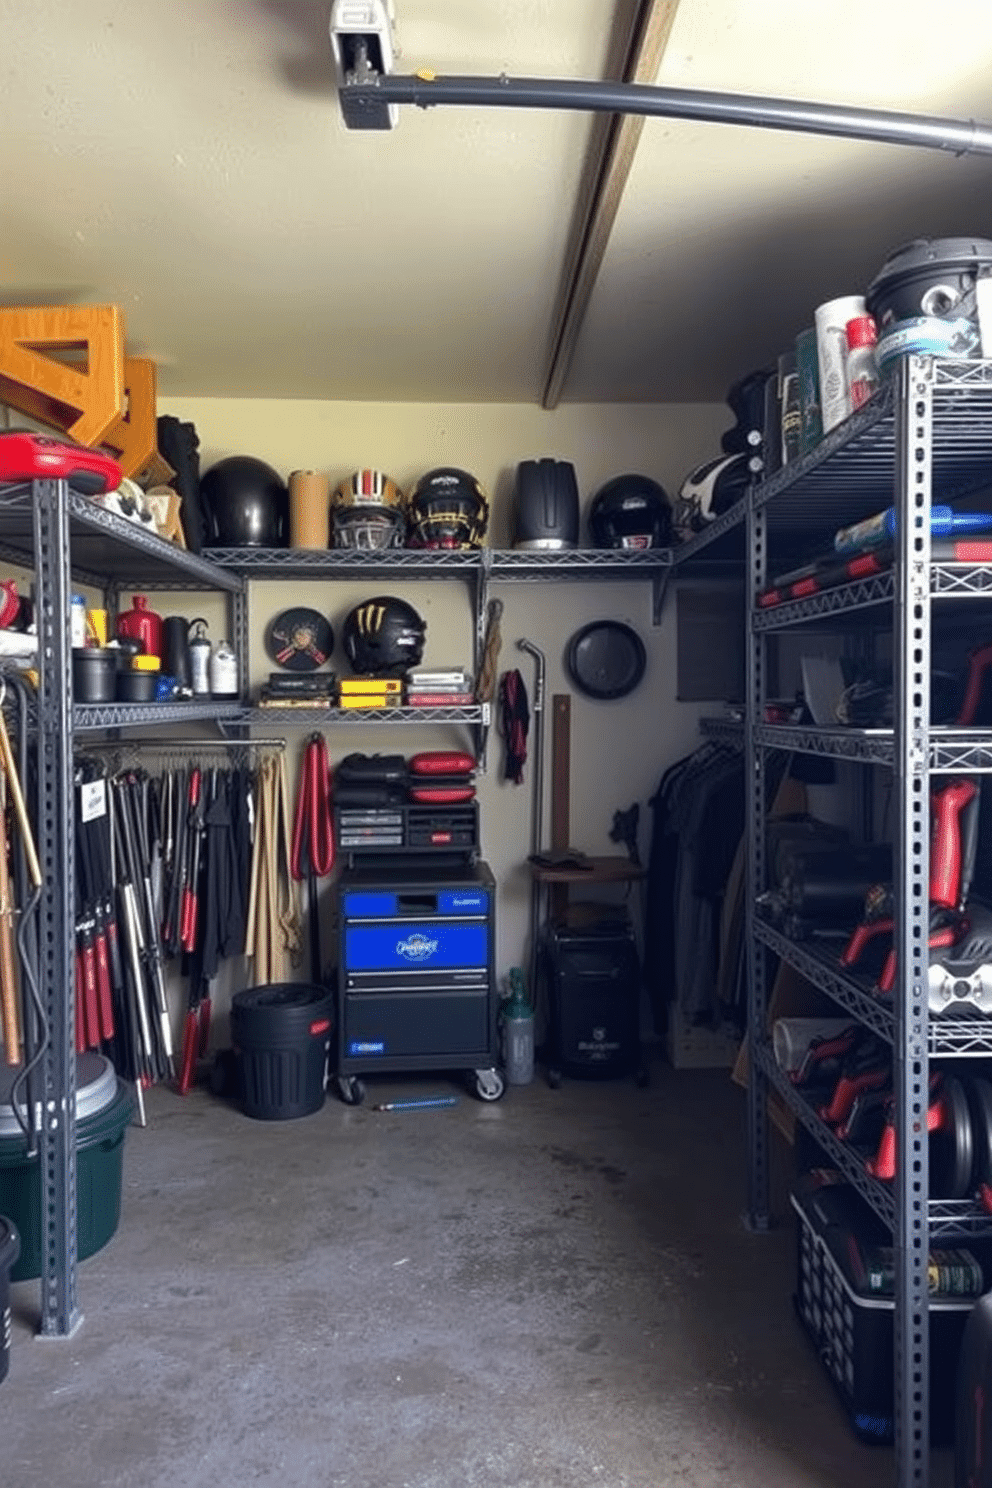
282 1037
10 1249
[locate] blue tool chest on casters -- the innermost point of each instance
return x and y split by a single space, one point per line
416 978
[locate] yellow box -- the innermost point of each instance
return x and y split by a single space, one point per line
349 685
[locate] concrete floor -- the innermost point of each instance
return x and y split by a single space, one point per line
555 1291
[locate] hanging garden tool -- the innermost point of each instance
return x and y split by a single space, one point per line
313 836
138 834
189 924
537 807
272 924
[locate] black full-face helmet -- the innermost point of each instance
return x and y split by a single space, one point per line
383 636
631 511
448 508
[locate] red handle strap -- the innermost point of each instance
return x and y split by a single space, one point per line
314 822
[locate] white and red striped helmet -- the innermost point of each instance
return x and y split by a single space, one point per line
368 510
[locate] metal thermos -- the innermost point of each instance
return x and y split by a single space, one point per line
199 660
223 671
176 660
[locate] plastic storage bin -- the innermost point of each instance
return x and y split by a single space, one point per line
853 1332
104 1107
282 1037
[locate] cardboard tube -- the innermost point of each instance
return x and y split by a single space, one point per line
309 509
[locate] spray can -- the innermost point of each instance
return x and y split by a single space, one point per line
199 660
518 1032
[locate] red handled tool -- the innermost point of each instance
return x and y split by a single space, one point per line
821 1053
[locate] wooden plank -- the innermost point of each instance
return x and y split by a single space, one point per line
608 164
64 366
561 744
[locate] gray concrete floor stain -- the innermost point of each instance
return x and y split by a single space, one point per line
555 1291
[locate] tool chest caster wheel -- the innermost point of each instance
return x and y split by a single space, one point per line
554 1079
642 1079
351 1090
487 1084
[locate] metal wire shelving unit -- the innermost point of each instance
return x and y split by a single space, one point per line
60 536
926 436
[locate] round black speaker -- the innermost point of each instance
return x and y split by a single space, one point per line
606 659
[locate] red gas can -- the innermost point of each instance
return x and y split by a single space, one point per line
142 624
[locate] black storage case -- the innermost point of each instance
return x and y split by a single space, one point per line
416 979
973 1427
593 979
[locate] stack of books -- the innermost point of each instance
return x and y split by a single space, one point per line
439 689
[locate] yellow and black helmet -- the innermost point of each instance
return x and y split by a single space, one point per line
368 510
448 508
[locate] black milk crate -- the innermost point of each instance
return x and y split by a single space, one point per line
853 1333
433 829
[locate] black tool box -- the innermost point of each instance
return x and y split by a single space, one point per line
416 978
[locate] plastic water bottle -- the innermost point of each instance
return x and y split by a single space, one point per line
518 1032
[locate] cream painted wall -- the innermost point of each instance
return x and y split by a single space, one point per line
618 749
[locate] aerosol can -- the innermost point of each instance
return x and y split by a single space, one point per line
518 1031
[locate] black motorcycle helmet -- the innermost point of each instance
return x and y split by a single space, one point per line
448 508
383 636
631 511
246 503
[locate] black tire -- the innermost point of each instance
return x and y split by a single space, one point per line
351 1090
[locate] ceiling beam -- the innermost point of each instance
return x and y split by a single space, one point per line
608 164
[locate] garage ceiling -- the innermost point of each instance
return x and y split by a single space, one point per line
189 163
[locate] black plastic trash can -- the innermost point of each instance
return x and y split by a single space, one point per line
282 1038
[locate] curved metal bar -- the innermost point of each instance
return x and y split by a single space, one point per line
958 136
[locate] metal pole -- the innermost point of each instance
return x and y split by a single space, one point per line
959 136
911 654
